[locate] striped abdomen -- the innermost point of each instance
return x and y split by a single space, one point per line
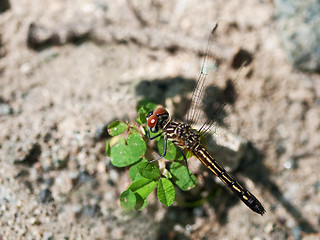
248 198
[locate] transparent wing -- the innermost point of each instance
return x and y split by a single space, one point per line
208 67
208 103
216 105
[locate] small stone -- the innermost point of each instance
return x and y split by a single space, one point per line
38 36
5 109
84 177
25 68
19 204
3 208
49 182
34 221
76 209
114 176
268 228
45 196
63 184
91 210
101 167
74 176
59 157
280 149
109 196
291 163
29 154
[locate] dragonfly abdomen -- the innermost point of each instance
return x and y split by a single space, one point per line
248 198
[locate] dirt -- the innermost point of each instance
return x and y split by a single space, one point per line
67 69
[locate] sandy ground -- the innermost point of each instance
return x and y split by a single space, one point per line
68 68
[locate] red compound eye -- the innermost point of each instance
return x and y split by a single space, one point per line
152 121
160 111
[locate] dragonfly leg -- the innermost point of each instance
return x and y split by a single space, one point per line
185 160
151 138
164 151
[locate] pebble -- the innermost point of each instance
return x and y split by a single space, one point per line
101 167
45 196
34 221
42 36
63 184
76 209
19 203
268 228
25 68
110 196
91 210
74 176
114 176
291 163
84 177
49 182
5 109
280 149
29 155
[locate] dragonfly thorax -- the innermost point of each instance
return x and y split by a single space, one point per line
182 135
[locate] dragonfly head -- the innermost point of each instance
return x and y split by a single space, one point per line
157 119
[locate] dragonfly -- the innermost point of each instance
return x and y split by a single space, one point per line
186 138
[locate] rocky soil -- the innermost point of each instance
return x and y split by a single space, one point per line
68 68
